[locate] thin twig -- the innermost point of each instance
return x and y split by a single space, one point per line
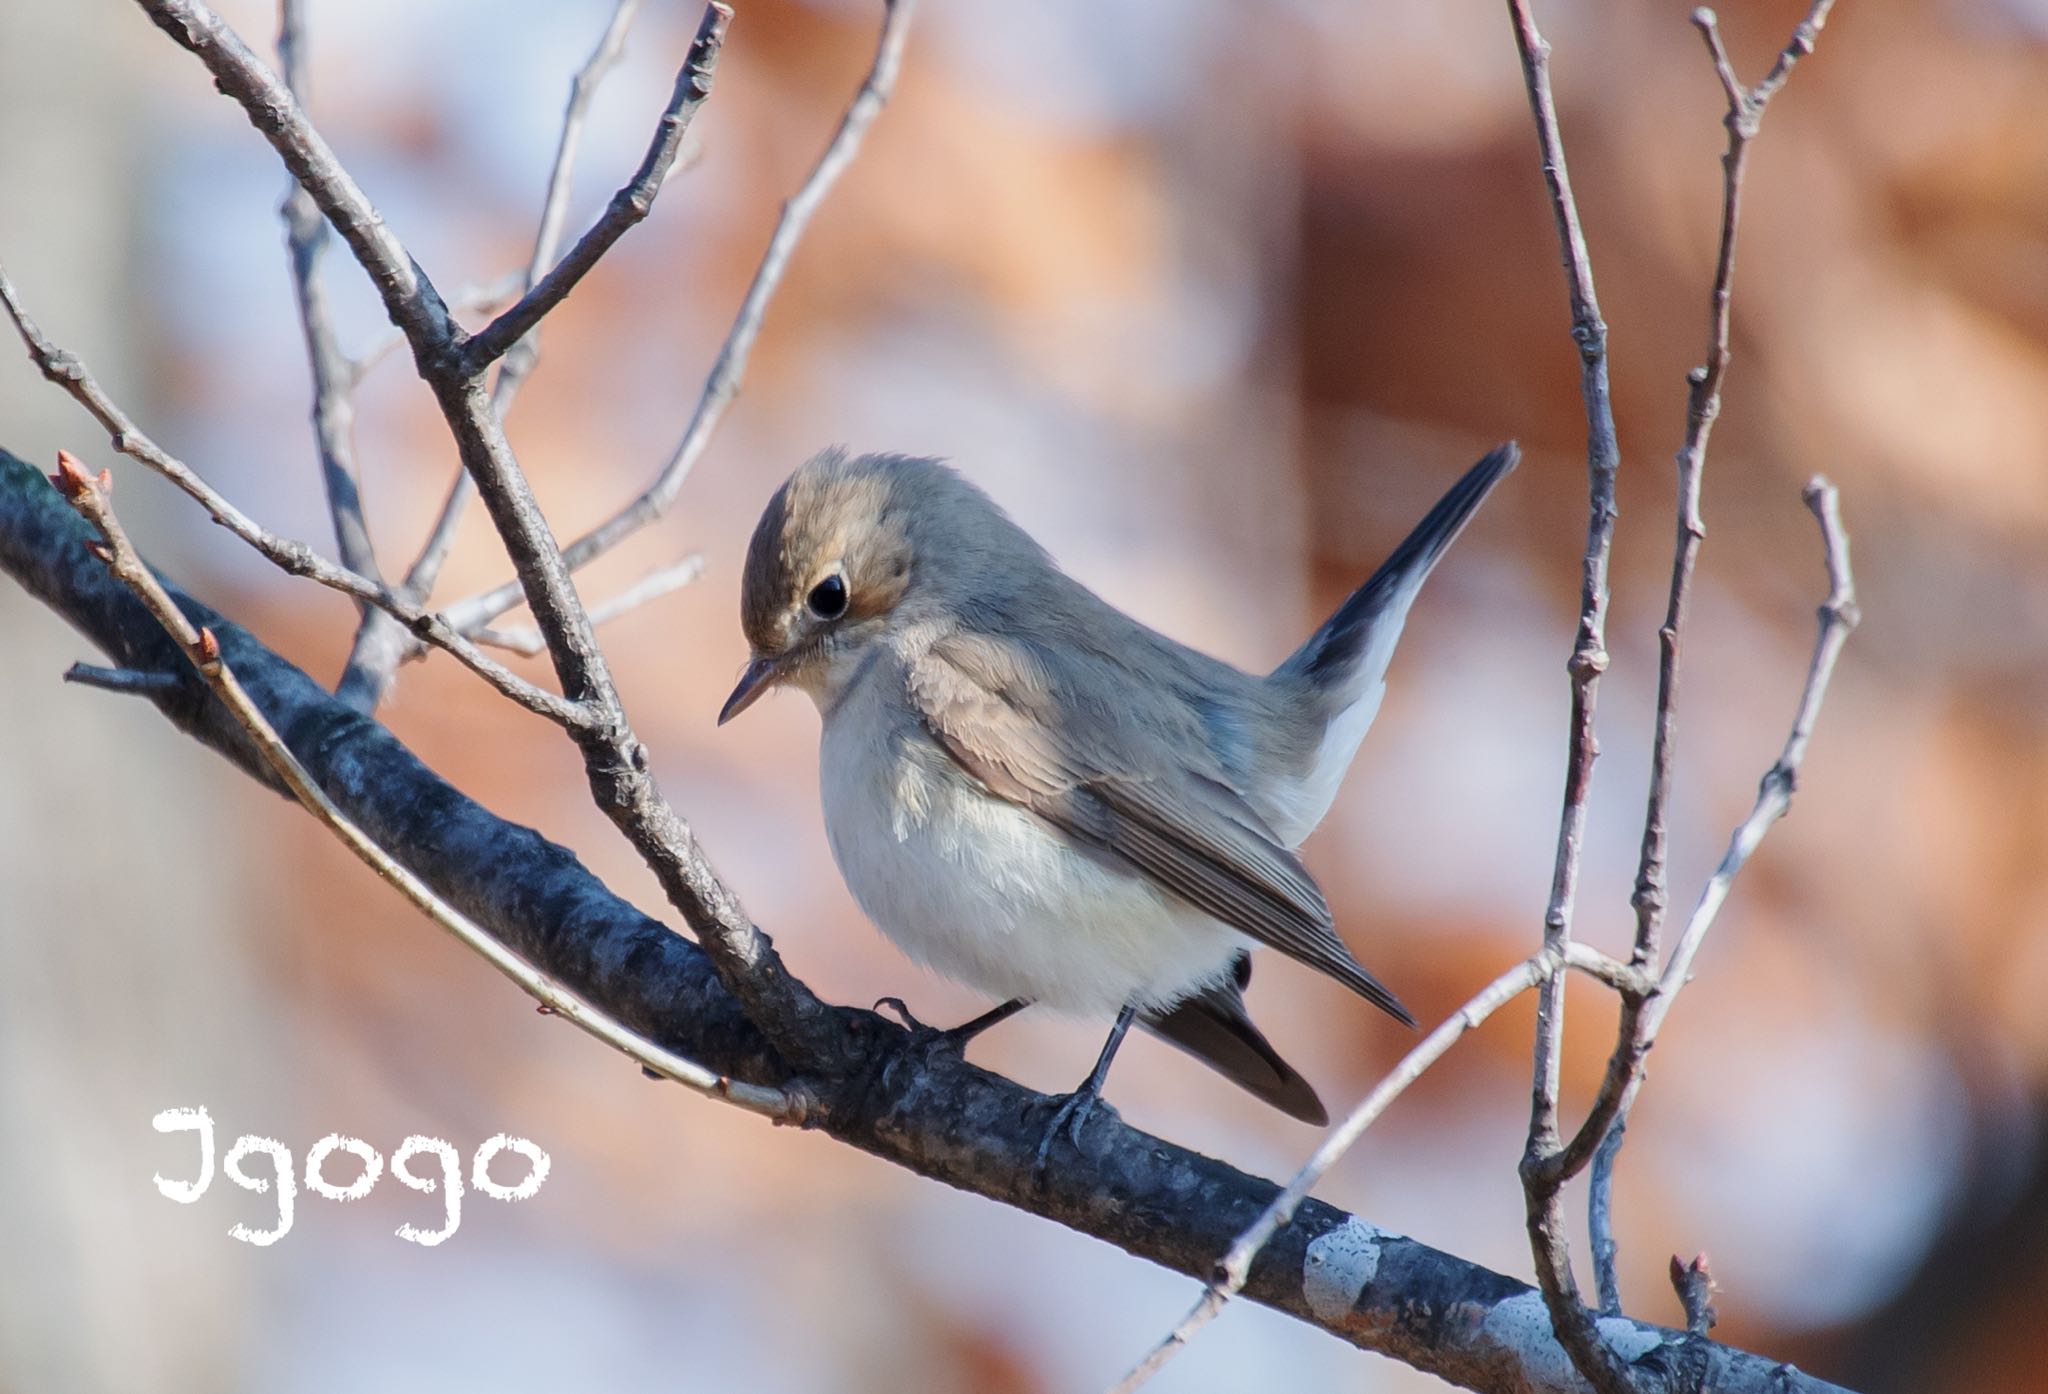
1568 1316
728 371
333 414
1838 617
1236 1266
627 207
1703 406
1600 1218
374 658
129 681
652 586
334 379
92 498
411 300
69 372
1694 1284
520 359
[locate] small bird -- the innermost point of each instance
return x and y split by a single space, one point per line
1038 796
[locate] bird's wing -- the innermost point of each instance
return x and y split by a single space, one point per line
1083 767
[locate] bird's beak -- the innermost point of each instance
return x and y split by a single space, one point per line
759 677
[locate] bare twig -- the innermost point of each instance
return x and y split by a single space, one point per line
131 681
334 379
628 206
1838 617
376 655
411 300
1694 1284
69 372
1600 1218
333 415
1235 1267
92 498
1703 406
653 586
1588 661
730 367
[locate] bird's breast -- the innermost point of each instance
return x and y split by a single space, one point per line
984 892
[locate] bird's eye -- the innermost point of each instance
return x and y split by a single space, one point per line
827 599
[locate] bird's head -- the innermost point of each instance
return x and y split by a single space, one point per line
852 546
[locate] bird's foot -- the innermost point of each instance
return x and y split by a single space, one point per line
927 1041
1073 1113
930 1040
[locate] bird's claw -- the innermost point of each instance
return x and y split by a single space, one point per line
903 1014
1069 1118
927 1040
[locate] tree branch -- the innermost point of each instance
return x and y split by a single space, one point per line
333 414
615 762
1231 1273
376 655
650 587
1588 661
123 680
334 379
730 367
68 371
628 206
1634 1034
93 498
940 1117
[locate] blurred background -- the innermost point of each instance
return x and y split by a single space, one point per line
1216 298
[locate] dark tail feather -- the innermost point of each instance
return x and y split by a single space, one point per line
1214 1029
1344 636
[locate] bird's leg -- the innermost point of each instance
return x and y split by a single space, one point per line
1075 1108
958 1037
954 1040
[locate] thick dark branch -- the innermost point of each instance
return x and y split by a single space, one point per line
628 206
939 1117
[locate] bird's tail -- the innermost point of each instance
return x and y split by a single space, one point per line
1340 673
1213 1027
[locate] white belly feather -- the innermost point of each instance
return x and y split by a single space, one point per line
985 893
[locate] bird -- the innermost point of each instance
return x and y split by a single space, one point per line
1037 795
